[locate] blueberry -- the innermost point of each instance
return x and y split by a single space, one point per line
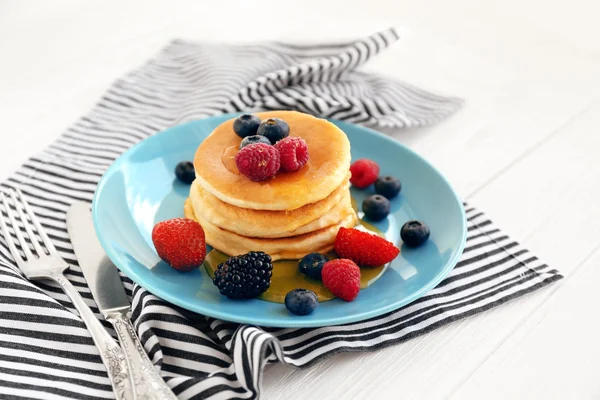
301 301
376 207
414 233
253 140
184 171
311 265
246 125
274 129
388 186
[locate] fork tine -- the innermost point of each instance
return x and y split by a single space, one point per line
45 239
7 236
40 251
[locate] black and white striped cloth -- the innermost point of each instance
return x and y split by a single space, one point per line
45 350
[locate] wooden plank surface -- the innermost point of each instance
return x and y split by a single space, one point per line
524 149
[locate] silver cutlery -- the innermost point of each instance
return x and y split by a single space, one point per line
106 287
48 264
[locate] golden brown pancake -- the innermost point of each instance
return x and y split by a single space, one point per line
324 172
279 249
272 224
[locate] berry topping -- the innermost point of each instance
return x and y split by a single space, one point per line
248 140
246 125
414 233
342 278
311 265
294 153
376 207
244 277
180 243
364 173
301 301
274 129
258 161
388 186
363 248
184 171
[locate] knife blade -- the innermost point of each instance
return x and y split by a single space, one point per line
100 273
105 284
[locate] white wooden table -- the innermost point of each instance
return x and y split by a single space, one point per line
526 149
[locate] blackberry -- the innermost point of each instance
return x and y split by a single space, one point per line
244 277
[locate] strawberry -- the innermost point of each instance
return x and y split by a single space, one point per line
364 248
180 243
342 278
364 173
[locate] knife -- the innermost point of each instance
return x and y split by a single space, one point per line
105 284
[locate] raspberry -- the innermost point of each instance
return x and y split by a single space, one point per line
363 248
342 278
258 161
180 243
294 153
364 173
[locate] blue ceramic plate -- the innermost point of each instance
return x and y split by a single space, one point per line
140 189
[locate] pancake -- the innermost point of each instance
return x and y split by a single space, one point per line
268 227
325 170
279 249
272 224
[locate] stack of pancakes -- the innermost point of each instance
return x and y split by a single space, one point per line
288 216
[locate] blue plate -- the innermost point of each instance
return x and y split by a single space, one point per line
140 189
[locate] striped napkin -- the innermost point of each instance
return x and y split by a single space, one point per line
45 349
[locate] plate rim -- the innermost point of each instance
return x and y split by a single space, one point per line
267 321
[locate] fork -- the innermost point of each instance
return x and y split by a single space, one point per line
50 265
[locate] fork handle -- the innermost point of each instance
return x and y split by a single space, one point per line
110 352
147 383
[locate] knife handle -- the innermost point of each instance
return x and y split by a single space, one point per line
145 380
111 354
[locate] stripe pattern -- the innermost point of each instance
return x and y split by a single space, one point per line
45 350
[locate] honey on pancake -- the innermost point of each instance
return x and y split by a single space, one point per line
286 276
228 159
